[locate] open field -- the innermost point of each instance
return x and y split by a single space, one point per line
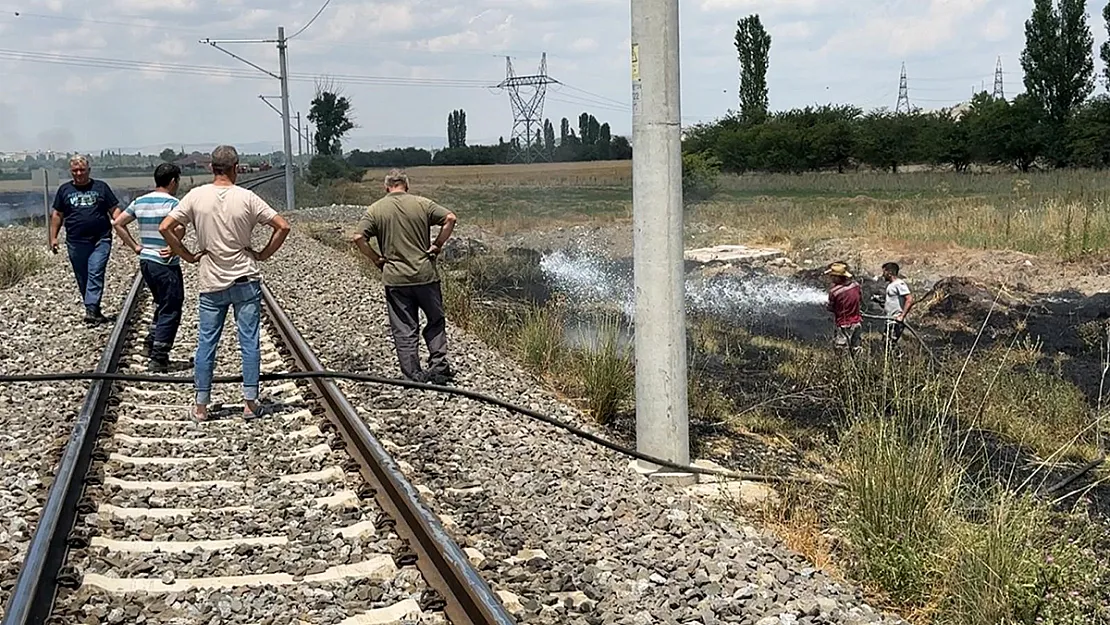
131 182
584 173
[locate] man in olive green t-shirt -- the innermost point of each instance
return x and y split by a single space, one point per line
402 223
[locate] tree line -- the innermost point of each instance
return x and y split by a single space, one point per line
592 141
1056 122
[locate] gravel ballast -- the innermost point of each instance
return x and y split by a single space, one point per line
41 331
565 530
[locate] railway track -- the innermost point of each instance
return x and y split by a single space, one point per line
298 517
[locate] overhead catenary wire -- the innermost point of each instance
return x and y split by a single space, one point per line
305 27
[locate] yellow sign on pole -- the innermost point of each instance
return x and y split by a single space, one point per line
636 62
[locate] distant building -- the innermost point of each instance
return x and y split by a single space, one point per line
195 162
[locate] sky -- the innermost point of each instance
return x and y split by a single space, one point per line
132 75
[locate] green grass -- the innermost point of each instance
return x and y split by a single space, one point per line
17 262
541 339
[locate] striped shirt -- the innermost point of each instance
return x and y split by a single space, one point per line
149 210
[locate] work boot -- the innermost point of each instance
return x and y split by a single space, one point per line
93 316
159 357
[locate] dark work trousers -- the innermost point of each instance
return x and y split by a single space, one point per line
405 304
167 288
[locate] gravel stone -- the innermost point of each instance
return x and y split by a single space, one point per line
41 331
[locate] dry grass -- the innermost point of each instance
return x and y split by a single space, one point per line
130 182
594 173
1064 215
17 261
795 516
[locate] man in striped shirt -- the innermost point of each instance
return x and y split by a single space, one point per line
161 269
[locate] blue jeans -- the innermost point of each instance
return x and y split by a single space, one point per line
168 291
90 262
245 298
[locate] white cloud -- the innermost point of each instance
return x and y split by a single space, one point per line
769 6
78 84
998 27
910 32
80 38
155 8
369 19
839 50
172 48
793 31
584 44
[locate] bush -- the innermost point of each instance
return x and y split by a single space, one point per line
608 379
701 173
325 168
17 262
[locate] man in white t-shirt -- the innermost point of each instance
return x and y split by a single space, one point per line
899 301
224 216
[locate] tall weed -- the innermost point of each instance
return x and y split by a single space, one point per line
608 379
541 338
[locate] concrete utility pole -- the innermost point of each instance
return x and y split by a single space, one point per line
290 199
283 78
662 423
300 147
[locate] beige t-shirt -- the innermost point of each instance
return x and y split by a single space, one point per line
224 218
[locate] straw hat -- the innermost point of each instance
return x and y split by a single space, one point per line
838 269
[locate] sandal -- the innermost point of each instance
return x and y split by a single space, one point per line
258 413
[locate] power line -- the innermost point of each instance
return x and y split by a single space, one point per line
596 95
588 104
305 27
208 70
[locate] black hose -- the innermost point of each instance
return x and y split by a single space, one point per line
913 332
449 390
1067 481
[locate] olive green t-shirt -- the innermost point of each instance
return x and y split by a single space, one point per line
402 224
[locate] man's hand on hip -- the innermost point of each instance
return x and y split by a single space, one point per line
192 258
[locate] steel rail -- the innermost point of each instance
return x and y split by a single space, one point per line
33 595
468 599
36 586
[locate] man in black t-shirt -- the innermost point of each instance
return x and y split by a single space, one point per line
87 208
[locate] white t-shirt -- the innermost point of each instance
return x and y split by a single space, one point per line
224 218
896 293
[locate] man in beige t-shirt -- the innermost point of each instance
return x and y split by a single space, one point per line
401 223
224 216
